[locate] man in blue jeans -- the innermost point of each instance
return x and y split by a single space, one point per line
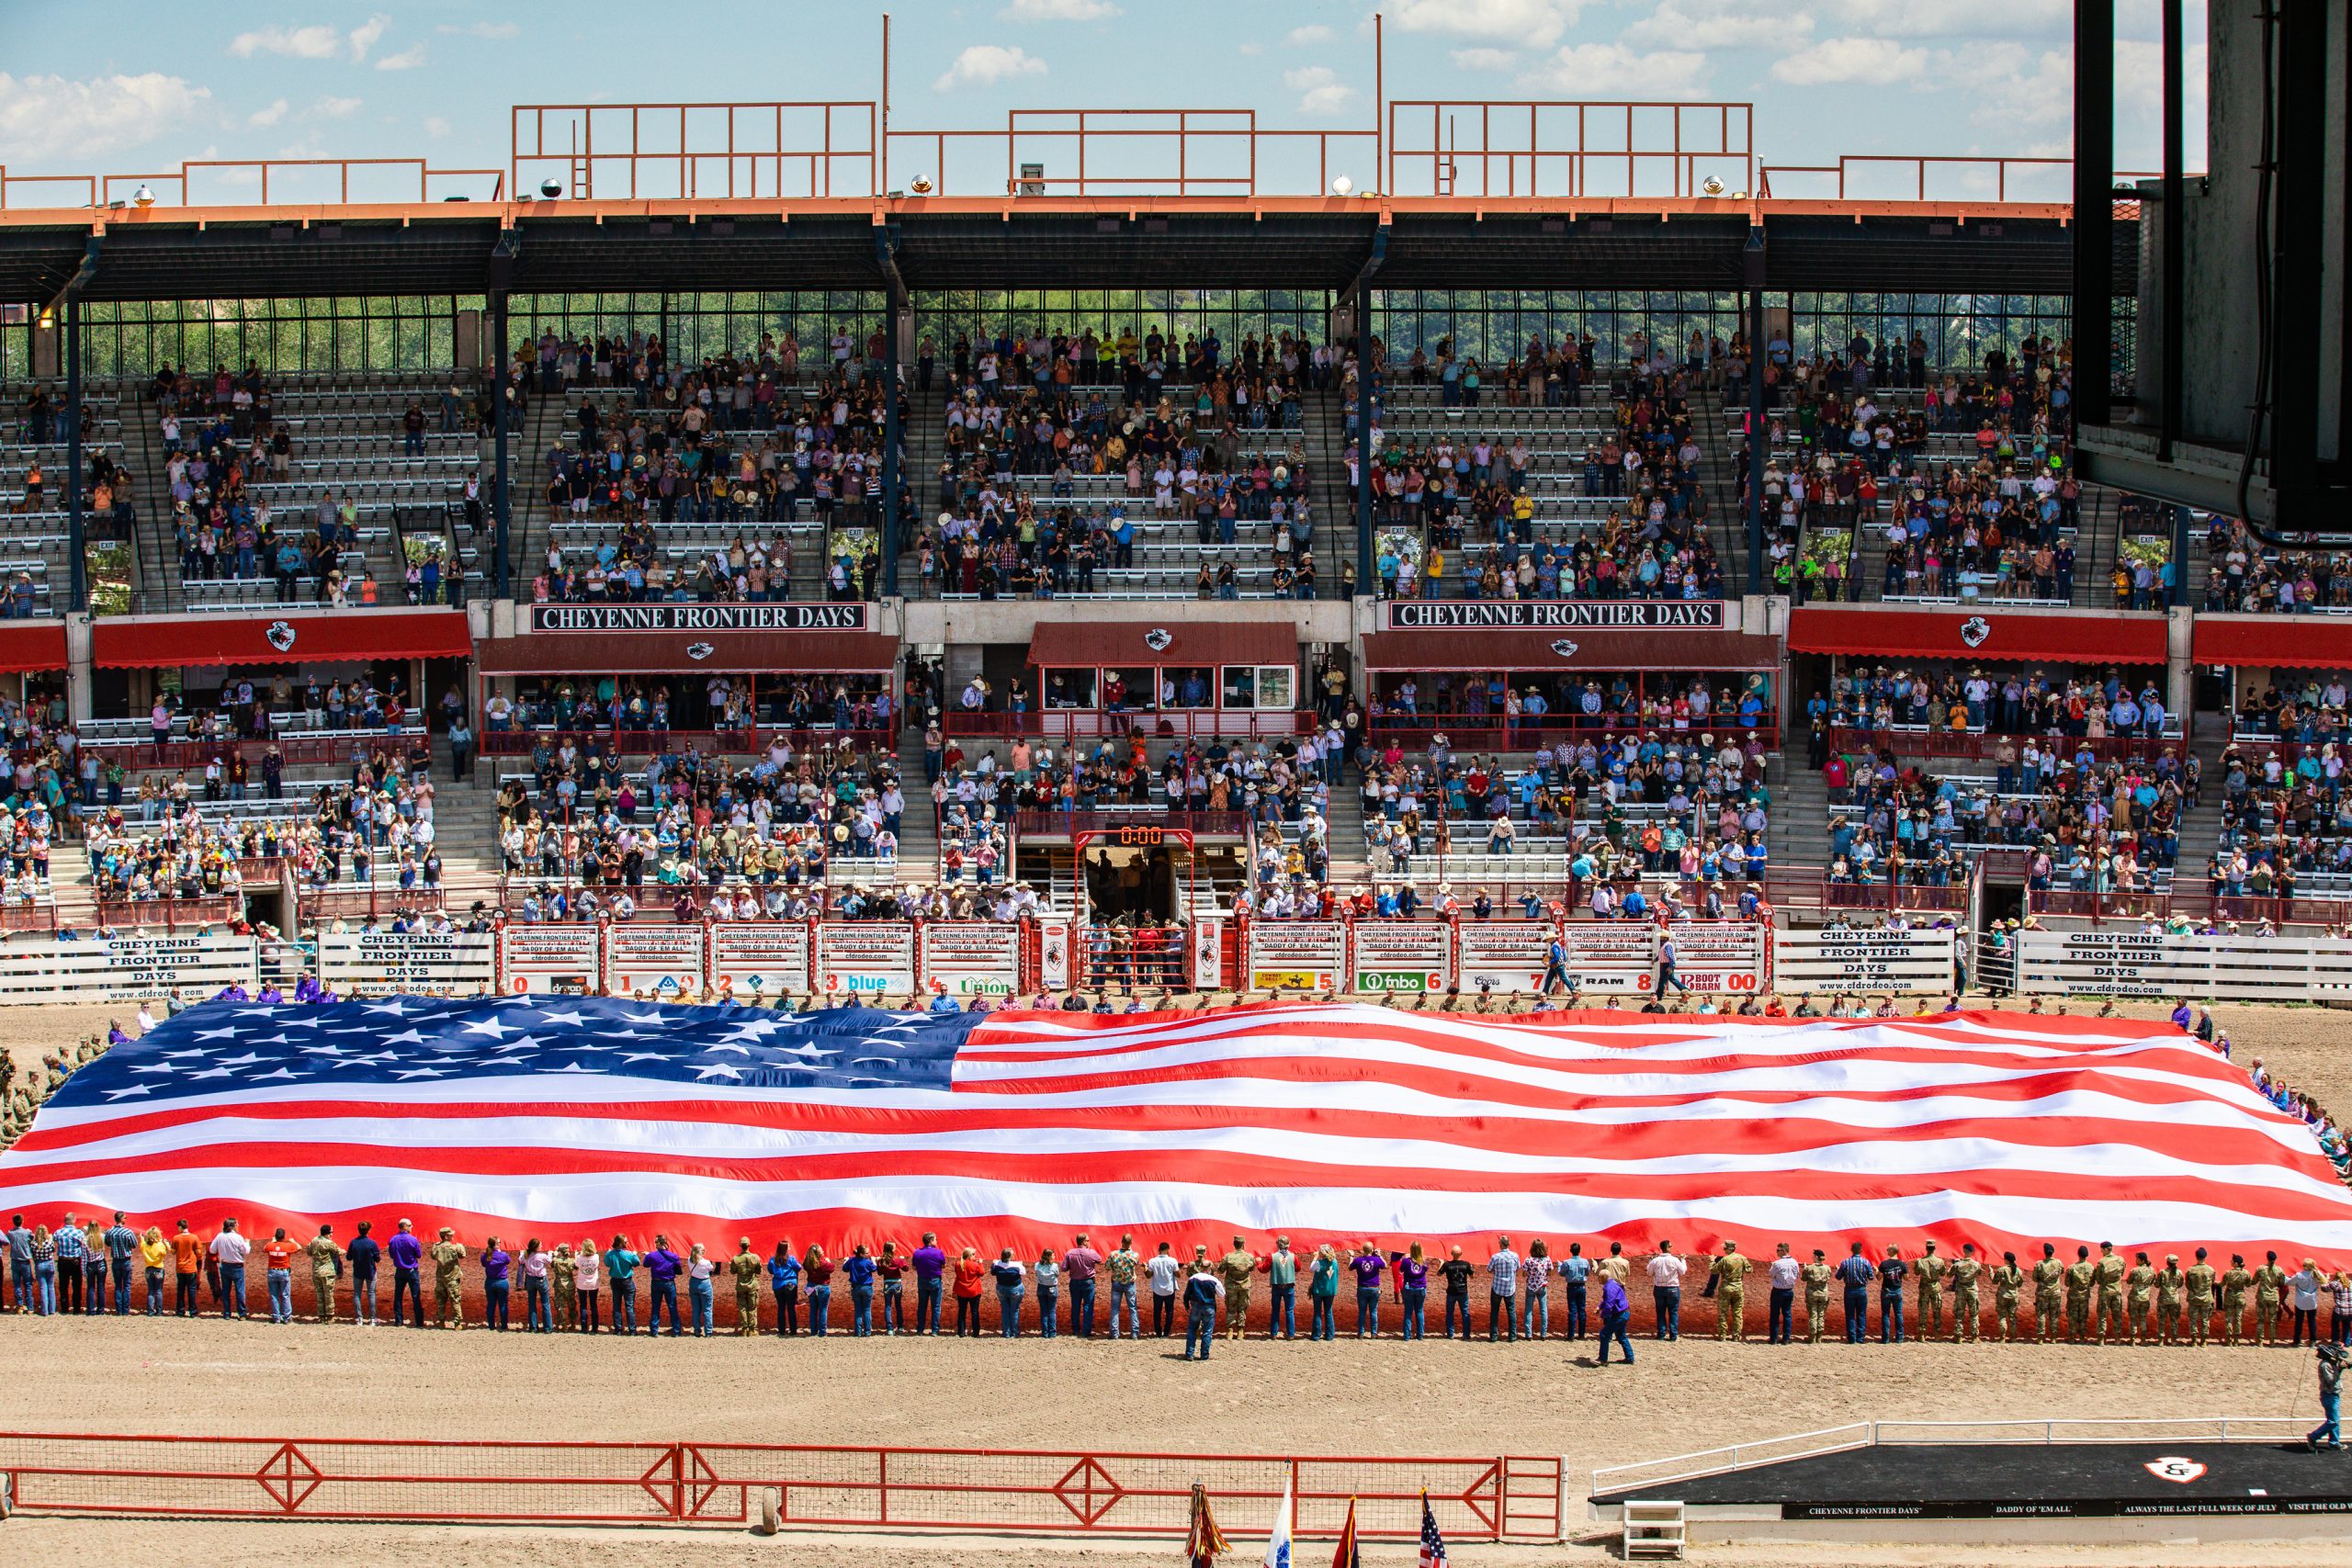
20 1262
1079 1265
1856 1275
2329 1433
122 1245
69 1266
1204 1293
1282 1279
1366 1266
1576 1271
661 1266
1123 1266
930 1263
230 1251
1891 1274
1666 1291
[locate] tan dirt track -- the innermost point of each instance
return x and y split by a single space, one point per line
1383 1397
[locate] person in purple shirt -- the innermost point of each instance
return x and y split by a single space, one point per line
497 1284
929 1266
1616 1312
661 1266
407 1254
1366 1266
1079 1265
1413 1290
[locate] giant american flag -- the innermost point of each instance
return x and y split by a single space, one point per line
562 1116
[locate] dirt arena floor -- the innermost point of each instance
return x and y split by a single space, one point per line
168 1376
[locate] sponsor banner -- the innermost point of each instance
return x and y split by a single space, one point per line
1053 952
1409 956
666 962
762 958
1611 956
1719 955
381 963
972 958
124 968
669 618
1504 956
1296 955
1911 963
871 959
561 961
2133 964
1208 953
1546 614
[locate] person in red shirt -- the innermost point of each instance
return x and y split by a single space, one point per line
969 1272
279 1251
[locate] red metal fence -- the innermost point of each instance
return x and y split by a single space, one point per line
1030 1492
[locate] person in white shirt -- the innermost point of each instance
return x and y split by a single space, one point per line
230 1251
1666 1291
1164 1272
1782 1274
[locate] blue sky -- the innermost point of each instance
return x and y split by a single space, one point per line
157 83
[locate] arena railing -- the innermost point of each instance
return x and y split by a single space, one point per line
1491 732
1069 724
172 914
1027 1492
1979 745
746 741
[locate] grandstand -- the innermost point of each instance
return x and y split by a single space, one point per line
523 558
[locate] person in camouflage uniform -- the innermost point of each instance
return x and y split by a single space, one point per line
1931 1271
2201 1281
2269 1291
1967 1271
1730 1274
448 1302
1237 1268
2140 1285
749 1269
1817 1276
2049 1292
2171 1286
326 1267
2234 1285
563 1288
2081 1276
2108 1275
2009 1280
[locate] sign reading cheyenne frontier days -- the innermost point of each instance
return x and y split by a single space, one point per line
698 617
1549 615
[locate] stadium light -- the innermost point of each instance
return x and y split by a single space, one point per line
550 188
143 197
1712 186
920 184
1341 185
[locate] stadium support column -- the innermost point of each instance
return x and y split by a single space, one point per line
77 543
895 329
2094 302
503 568
1752 262
1359 298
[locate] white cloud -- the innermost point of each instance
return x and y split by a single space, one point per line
1717 25
1058 10
1252 47
408 59
1538 23
983 65
1835 60
2008 85
435 126
482 29
1486 59
269 116
367 34
1981 19
1658 73
1313 32
43 117
1319 90
333 108
297 43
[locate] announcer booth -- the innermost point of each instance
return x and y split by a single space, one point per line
418 654
33 660
1173 679
1514 675
2275 677
690 674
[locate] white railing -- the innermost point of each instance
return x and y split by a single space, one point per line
1739 1456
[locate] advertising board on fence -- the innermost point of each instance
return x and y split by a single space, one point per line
661 961
1296 955
869 958
125 967
1616 956
1053 952
1719 955
1208 953
1914 963
2229 968
972 958
381 963
1410 957
766 958
1504 956
561 961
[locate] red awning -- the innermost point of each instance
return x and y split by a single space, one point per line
1084 645
1498 651
674 653
322 636
1992 634
2282 642
29 646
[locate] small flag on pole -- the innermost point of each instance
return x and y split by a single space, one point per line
1348 1556
1278 1543
1203 1543
1432 1543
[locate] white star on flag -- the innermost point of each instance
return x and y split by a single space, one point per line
493 1027
719 1070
